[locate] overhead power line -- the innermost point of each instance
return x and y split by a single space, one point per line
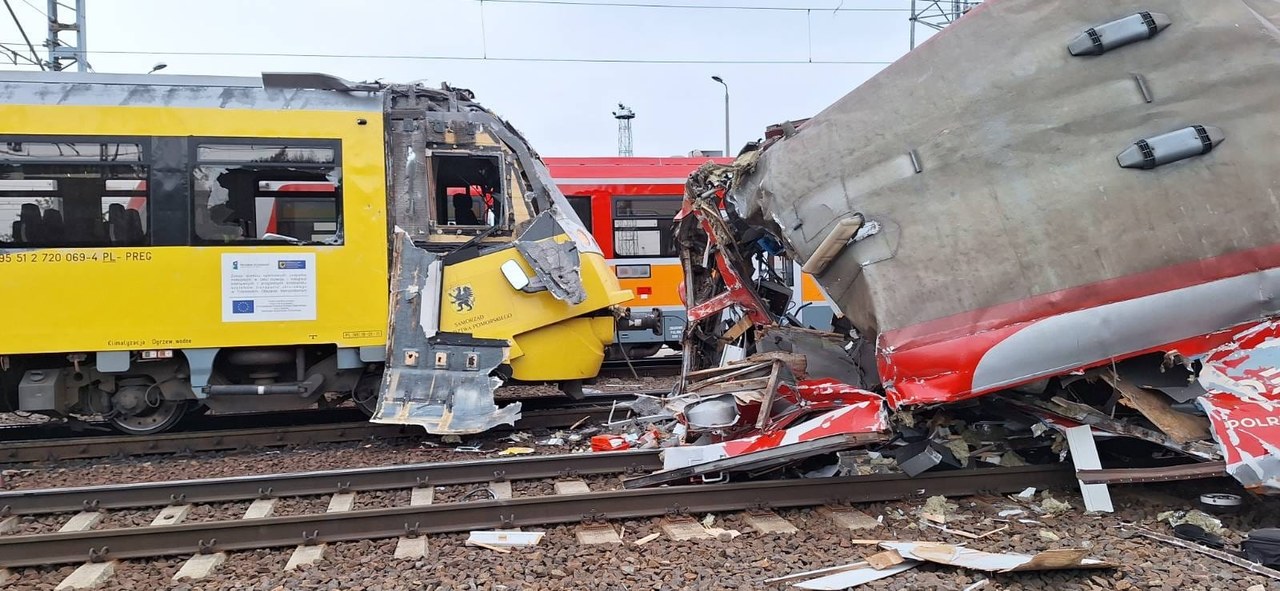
34 56
36 8
490 58
591 3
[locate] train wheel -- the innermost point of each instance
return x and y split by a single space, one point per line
573 389
154 419
366 393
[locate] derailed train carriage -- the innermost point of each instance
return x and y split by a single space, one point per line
181 243
1061 213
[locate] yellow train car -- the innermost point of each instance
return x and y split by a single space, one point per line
177 243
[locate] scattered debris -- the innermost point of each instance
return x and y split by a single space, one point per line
971 536
489 547
902 556
855 576
1195 517
1263 546
1052 506
857 423
1049 536
505 538
1195 533
516 451
1219 554
609 443
818 572
649 538
1010 512
1220 503
1027 493
1005 562
937 509
885 559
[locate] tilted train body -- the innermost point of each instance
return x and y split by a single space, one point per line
182 242
1046 190
1011 244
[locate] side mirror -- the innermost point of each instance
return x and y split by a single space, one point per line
515 275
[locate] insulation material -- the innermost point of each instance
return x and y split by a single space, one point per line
1242 378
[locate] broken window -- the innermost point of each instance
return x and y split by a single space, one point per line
259 192
73 194
468 190
642 226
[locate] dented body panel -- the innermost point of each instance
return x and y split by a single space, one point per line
1014 244
1242 378
470 199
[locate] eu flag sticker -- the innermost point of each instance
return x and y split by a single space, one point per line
242 306
293 264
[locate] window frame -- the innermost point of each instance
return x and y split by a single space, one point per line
145 161
615 217
193 163
434 185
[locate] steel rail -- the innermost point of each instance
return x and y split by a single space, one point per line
246 534
101 446
1159 474
242 488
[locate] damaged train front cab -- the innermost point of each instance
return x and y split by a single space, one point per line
1050 186
493 275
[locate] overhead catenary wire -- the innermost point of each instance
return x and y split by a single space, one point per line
36 8
485 55
35 57
490 58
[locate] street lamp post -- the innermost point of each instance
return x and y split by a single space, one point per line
726 113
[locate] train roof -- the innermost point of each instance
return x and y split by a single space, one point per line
584 171
271 91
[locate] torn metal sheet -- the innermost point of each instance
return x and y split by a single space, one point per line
1243 403
506 538
1057 559
437 380
860 420
556 265
855 577
755 461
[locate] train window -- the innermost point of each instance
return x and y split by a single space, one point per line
69 151
581 205
642 226
264 153
468 189
73 194
274 194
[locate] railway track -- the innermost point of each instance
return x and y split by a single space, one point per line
650 366
337 426
421 518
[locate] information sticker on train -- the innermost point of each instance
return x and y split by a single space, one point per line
268 287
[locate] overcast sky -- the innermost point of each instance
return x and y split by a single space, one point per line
563 108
